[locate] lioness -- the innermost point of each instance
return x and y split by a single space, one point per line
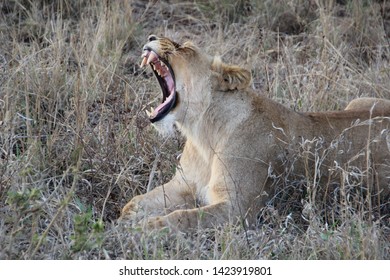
238 142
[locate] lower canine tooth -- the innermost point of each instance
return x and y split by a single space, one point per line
149 113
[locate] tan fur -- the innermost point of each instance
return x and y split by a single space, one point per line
229 77
369 103
238 142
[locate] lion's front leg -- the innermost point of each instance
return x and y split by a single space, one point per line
183 220
160 201
230 197
222 207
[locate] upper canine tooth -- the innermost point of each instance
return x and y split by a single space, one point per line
143 62
152 56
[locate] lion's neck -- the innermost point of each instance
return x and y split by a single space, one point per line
208 124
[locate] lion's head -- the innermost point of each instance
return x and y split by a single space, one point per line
187 77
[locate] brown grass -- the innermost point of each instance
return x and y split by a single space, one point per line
75 143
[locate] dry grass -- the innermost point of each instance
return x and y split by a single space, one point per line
75 144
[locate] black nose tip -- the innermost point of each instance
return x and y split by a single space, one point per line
152 38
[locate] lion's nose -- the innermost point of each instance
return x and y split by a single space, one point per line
152 38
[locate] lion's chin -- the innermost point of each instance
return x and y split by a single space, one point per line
166 125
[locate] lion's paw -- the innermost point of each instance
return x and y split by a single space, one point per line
158 223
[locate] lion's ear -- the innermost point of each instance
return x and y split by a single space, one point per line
230 77
236 77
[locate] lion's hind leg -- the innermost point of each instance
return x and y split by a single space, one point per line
370 104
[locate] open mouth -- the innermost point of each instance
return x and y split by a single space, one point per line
166 78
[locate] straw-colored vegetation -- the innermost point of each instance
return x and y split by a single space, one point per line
76 144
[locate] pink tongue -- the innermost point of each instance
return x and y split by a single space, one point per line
170 83
163 104
171 88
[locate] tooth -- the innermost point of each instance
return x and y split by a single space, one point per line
164 65
143 62
152 57
149 113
